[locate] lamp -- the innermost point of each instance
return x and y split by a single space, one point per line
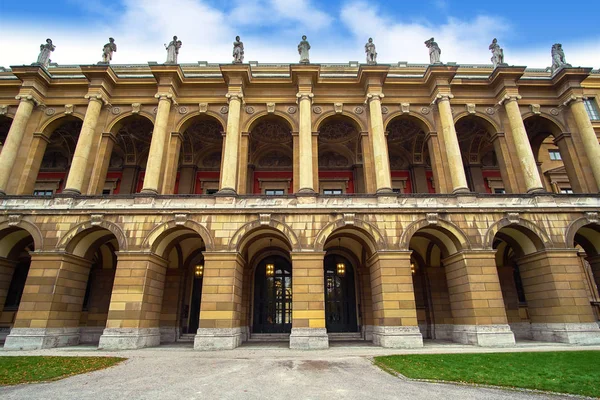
413 267
341 269
270 269
199 270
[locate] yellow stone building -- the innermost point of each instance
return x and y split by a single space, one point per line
146 204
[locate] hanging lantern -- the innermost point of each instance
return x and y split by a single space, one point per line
413 268
270 269
199 270
341 269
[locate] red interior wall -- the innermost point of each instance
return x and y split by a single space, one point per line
201 176
341 175
54 176
404 174
490 174
272 175
118 176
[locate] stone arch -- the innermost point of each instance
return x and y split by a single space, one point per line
31 228
422 120
491 125
453 237
374 239
66 240
116 124
561 127
359 124
255 119
56 121
239 237
573 229
538 238
150 242
189 119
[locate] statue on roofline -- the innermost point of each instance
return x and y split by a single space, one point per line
497 53
238 51
108 50
173 50
434 51
45 51
371 53
303 48
558 57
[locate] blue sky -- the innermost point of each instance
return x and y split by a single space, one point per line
271 29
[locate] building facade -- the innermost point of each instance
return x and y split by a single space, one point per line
146 204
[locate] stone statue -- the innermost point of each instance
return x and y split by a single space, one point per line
303 48
172 50
434 51
108 50
238 51
497 53
371 53
45 50
558 57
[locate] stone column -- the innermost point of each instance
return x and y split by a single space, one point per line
221 305
31 169
51 305
455 164
437 164
154 166
243 167
570 159
476 300
306 184
102 163
506 167
588 135
533 182
368 163
135 304
558 304
394 306
229 172
172 163
8 156
308 302
79 168
383 177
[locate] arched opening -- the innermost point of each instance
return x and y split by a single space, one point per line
340 157
183 249
5 123
15 246
200 157
552 153
127 157
481 159
340 295
587 240
410 163
270 158
58 149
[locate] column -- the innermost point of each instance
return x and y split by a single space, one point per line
476 300
243 167
50 308
394 306
455 164
383 177
232 143
172 163
154 167
308 302
437 164
221 306
135 303
102 163
557 301
8 156
588 136
31 169
570 159
83 149
533 182
368 163
505 163
306 184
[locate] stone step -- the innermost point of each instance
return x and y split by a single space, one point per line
344 336
186 337
269 337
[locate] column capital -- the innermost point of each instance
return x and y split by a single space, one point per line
97 97
572 99
442 97
165 96
508 98
239 96
373 96
561 137
304 96
29 98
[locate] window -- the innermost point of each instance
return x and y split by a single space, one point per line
332 191
211 191
554 155
499 191
566 190
592 109
398 191
42 193
106 192
274 192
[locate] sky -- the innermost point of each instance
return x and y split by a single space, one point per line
271 29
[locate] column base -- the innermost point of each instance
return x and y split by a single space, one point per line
522 330
129 338
2 193
385 191
226 192
169 334
306 191
536 190
397 337
309 339
71 192
367 332
572 333
90 334
218 339
484 335
148 192
41 338
442 331
461 190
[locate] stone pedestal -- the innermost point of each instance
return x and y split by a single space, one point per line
521 330
572 333
129 338
484 335
41 338
90 334
169 334
442 331
397 337
309 339
218 339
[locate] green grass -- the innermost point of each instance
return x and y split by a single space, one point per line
16 370
576 372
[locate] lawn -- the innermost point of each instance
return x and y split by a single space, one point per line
574 372
15 370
